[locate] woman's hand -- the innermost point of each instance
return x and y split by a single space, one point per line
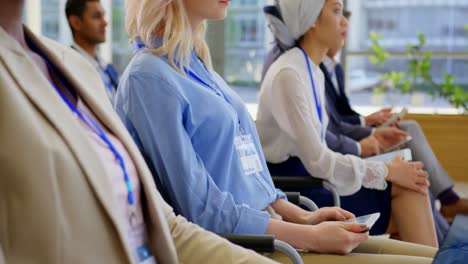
409 175
328 214
336 237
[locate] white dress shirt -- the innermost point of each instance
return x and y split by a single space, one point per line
288 125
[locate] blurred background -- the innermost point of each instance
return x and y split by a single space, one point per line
246 40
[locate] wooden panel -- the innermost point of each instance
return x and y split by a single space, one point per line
448 136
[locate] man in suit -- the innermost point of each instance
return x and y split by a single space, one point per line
57 197
344 119
88 26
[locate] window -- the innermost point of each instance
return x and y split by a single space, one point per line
247 40
399 23
121 49
50 18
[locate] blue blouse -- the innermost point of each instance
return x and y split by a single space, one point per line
186 132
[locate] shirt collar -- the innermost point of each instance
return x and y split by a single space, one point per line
157 42
138 42
330 64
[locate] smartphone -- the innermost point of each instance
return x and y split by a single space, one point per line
395 117
368 220
399 144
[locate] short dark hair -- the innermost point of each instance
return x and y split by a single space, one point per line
76 8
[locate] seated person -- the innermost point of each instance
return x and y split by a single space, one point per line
356 141
88 26
292 122
63 194
347 138
197 135
339 109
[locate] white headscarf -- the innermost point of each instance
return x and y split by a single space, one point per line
298 17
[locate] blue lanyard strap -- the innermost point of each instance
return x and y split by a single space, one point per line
318 104
91 123
106 78
138 45
218 91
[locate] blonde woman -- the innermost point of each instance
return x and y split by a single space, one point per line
292 123
198 137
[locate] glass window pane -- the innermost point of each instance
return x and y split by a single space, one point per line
400 22
121 49
246 43
362 78
50 18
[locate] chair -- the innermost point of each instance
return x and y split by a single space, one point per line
291 175
305 182
257 243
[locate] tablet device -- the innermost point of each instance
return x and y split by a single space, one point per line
399 144
405 154
395 117
368 220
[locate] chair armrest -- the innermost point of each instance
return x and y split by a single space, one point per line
293 197
299 182
264 243
297 199
296 182
258 243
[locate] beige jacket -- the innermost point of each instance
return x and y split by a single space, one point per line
56 205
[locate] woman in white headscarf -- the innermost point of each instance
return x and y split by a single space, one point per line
292 123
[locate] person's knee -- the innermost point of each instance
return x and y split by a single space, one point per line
398 191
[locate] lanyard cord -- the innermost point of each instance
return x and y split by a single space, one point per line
92 124
218 91
106 78
137 45
318 104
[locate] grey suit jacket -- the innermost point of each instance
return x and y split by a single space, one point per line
56 205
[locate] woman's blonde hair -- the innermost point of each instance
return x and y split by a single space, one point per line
167 19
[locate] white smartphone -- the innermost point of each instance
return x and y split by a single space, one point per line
399 144
395 117
368 220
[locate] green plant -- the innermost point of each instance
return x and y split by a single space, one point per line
379 57
418 74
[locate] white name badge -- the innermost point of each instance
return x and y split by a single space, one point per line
248 154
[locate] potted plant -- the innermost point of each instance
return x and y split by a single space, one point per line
417 78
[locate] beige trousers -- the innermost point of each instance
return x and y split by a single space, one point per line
375 250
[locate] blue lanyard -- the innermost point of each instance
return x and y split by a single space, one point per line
138 45
106 78
218 91
318 104
89 121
